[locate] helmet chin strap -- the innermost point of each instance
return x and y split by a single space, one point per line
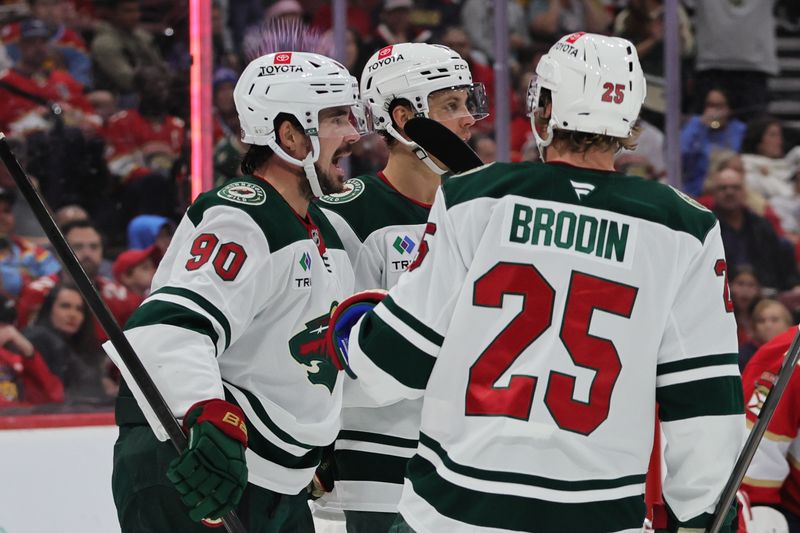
541 144
418 151
307 164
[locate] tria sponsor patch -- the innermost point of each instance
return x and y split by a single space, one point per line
243 192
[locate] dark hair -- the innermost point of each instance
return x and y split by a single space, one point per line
257 155
755 131
84 340
387 137
79 224
743 269
720 89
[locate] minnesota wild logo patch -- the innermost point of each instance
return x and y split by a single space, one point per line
352 190
243 192
307 348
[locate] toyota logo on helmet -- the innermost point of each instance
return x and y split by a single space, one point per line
283 58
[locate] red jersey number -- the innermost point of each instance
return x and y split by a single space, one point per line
228 258
430 229
586 293
721 269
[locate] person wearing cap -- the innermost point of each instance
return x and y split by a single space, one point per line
66 42
20 259
226 120
134 269
30 88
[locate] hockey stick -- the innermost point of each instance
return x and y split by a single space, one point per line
756 433
99 308
443 144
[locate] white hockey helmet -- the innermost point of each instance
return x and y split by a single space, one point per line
412 71
300 84
596 86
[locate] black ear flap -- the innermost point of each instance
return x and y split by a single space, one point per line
443 144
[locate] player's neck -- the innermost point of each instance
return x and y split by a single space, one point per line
592 159
411 176
288 182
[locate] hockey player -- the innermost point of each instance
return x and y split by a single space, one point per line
381 220
772 482
231 332
550 306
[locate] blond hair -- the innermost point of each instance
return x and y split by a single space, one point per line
766 303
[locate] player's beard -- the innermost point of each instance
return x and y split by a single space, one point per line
328 183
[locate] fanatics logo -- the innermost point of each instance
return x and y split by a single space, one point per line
575 36
385 51
283 58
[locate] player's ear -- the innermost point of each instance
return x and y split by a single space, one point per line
400 115
291 139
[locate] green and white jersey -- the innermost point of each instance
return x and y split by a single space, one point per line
238 310
381 230
551 308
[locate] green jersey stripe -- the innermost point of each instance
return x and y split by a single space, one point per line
264 417
412 322
705 397
204 304
697 362
159 312
519 513
394 354
527 479
377 438
355 465
266 449
655 202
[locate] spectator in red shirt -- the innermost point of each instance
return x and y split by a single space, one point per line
85 241
70 49
28 90
25 378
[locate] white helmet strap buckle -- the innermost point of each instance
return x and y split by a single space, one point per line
417 149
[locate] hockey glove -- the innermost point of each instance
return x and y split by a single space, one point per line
342 320
324 476
211 473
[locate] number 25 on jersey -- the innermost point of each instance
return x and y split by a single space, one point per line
585 294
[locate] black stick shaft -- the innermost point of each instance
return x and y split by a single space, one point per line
756 433
99 308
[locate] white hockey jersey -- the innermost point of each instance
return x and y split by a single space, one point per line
238 310
549 308
381 230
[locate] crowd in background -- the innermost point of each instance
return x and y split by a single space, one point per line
94 100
